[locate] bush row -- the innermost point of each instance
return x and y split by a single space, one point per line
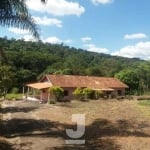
87 93
79 93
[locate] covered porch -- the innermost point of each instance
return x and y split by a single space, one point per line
37 92
108 92
112 92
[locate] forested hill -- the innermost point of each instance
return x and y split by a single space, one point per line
30 60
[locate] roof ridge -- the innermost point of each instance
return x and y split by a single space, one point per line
80 76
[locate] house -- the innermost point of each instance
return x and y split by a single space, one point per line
69 83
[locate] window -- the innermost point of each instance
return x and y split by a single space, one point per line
66 93
43 91
119 92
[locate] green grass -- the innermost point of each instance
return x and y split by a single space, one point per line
12 96
145 103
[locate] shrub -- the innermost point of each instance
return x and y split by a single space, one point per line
143 97
52 101
101 94
57 92
14 90
145 103
97 94
88 93
78 93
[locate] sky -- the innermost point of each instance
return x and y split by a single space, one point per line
116 27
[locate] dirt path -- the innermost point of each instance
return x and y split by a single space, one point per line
24 129
110 125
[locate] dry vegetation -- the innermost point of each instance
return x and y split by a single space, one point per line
110 125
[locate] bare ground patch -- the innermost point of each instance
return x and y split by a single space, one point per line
110 125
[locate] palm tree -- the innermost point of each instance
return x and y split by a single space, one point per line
14 13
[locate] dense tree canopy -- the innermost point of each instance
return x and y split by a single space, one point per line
136 78
6 79
30 60
129 76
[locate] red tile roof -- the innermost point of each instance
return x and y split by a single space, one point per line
85 81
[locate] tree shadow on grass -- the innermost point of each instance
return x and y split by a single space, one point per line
65 105
4 145
45 129
17 109
100 144
29 127
98 135
121 128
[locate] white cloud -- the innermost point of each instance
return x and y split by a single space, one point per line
67 41
48 21
29 38
93 48
86 39
57 7
18 31
56 40
96 2
139 50
135 36
52 40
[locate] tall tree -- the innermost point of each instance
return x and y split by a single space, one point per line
6 79
130 77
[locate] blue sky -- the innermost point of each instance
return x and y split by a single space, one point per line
116 27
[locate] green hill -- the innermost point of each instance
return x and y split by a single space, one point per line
29 60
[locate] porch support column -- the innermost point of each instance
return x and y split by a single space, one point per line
41 95
48 97
23 93
33 93
28 92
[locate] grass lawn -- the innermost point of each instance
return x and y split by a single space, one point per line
11 96
145 106
145 103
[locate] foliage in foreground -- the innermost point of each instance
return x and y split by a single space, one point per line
14 13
